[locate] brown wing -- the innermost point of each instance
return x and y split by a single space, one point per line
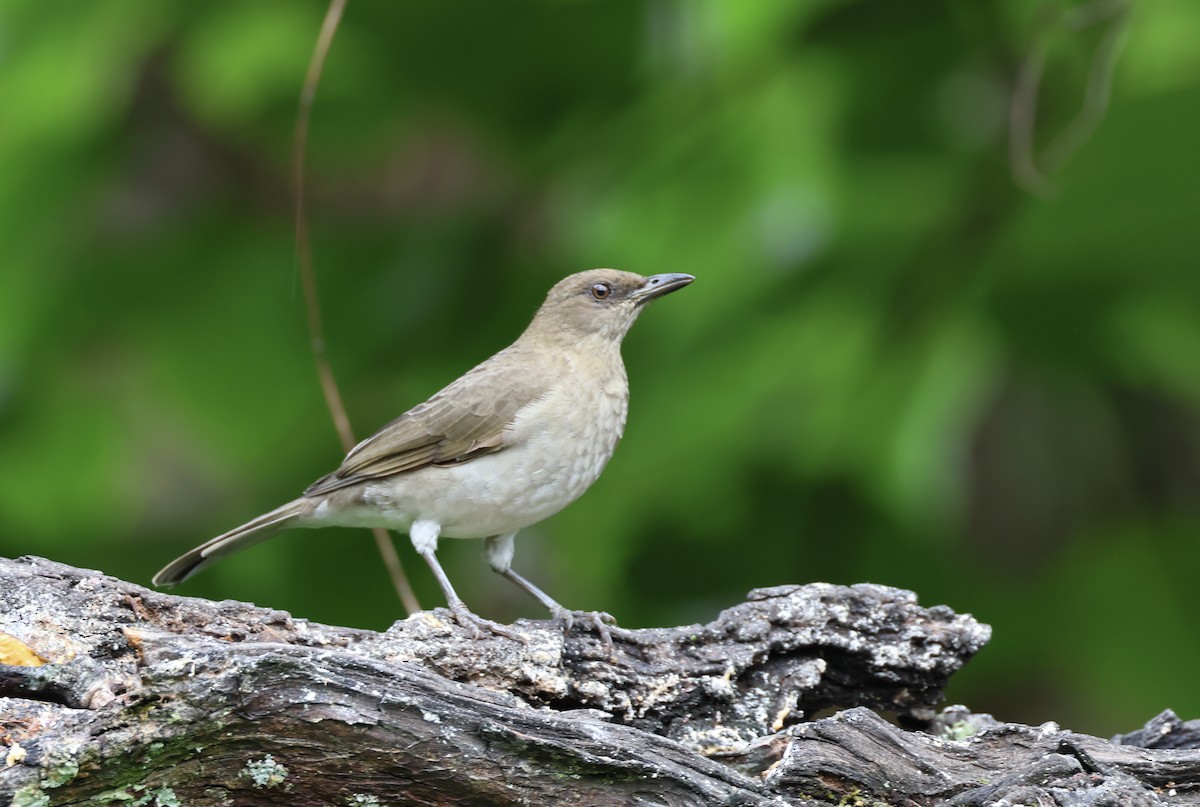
465 420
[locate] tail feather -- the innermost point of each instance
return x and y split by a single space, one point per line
237 539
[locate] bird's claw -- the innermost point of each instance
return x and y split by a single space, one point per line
478 626
597 620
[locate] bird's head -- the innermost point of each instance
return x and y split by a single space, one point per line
600 302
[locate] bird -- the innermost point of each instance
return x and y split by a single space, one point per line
508 444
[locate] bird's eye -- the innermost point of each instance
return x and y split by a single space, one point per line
601 290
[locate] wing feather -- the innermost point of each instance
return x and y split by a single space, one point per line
464 421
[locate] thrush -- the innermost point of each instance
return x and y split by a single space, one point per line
510 443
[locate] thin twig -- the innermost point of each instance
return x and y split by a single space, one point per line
1028 170
1093 13
1096 99
1022 121
333 397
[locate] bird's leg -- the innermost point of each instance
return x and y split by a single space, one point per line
424 535
500 550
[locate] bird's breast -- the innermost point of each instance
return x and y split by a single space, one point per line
554 449
570 435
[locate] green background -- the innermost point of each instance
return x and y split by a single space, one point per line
906 359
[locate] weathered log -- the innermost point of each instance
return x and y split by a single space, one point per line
149 699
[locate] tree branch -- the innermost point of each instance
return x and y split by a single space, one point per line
149 699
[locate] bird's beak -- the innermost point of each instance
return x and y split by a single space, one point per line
658 285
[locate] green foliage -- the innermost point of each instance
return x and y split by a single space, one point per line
897 364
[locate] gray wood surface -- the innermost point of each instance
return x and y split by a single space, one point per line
153 699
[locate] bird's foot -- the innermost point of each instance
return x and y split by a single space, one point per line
602 623
478 626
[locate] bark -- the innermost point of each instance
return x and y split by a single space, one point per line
151 699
